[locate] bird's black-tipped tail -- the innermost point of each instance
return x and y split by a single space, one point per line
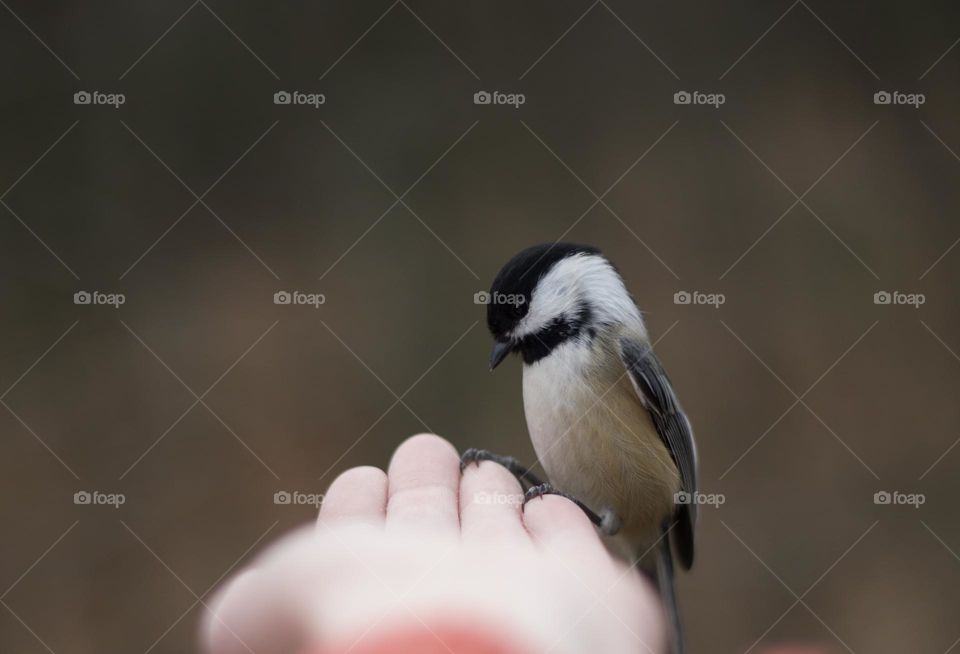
664 581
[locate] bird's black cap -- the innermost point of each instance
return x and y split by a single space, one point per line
512 288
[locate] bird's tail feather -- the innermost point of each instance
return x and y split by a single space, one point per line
663 579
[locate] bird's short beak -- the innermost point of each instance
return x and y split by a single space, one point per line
500 352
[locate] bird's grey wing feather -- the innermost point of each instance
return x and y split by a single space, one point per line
656 393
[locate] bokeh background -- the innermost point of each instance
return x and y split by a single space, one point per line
398 199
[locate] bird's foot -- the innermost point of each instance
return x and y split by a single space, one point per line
608 522
518 470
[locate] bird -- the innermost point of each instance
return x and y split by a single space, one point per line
603 417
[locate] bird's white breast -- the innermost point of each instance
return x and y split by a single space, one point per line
593 436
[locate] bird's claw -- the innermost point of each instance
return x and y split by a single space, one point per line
540 490
523 475
472 455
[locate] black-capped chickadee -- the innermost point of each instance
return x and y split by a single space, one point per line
603 417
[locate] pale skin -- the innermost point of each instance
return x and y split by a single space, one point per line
422 545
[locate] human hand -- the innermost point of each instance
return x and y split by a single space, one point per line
440 561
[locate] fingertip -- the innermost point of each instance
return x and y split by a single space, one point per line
356 495
427 444
359 478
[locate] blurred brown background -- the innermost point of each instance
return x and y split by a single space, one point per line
305 199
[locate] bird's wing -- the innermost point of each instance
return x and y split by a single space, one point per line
656 394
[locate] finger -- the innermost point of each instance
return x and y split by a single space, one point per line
490 505
358 495
562 529
423 484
